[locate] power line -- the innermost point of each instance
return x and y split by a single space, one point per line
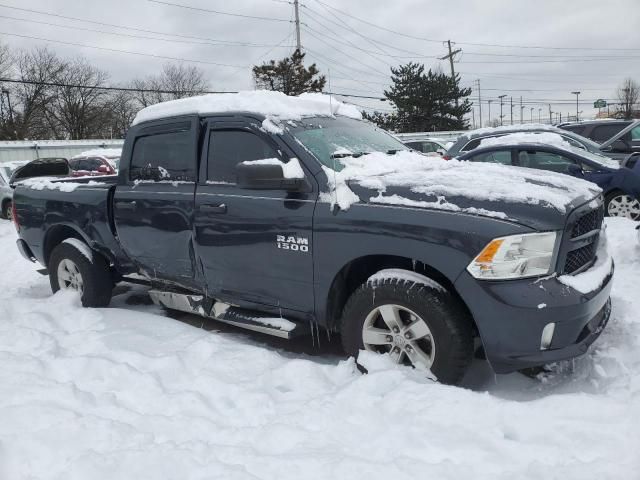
119 34
124 27
121 51
219 12
402 34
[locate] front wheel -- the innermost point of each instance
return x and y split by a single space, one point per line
73 269
618 204
417 323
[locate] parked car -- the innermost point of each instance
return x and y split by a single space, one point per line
6 192
548 151
90 166
624 141
472 140
597 130
263 211
429 146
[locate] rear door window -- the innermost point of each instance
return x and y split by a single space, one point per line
164 156
501 156
602 133
541 160
229 147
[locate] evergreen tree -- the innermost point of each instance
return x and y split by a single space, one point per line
427 102
289 75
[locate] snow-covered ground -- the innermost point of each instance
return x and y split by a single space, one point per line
126 393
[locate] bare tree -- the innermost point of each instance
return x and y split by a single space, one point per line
6 117
78 105
122 110
36 69
628 95
175 81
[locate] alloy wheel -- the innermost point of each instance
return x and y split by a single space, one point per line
401 333
624 206
69 276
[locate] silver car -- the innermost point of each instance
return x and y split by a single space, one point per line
6 192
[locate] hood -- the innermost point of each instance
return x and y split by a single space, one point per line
534 198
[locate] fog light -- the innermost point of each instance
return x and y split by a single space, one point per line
547 336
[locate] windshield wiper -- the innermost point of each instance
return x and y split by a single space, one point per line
393 151
345 154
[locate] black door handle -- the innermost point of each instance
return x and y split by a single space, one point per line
126 205
222 208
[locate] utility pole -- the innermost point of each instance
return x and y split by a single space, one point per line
511 110
577 94
490 111
480 103
501 97
297 14
550 113
531 115
452 53
540 115
521 110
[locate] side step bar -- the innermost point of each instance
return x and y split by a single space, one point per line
223 312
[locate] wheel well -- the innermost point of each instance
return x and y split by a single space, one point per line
55 236
4 204
356 272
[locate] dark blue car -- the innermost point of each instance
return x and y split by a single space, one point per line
620 184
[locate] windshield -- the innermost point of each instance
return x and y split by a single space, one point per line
330 139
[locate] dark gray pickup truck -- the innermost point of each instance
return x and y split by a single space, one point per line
284 215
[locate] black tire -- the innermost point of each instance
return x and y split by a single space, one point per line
607 200
95 274
447 320
6 210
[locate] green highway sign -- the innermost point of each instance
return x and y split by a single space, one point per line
600 103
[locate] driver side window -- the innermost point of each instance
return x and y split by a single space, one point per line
228 148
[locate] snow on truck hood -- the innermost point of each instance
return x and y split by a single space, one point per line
273 105
439 184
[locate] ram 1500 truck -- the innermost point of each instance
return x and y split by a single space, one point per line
282 214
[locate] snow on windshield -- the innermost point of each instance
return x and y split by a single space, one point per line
273 105
547 138
441 179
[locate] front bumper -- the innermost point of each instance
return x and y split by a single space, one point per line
511 316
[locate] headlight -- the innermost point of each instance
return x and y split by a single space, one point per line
516 256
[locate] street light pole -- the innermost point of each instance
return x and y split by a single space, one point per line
531 114
577 94
540 114
489 110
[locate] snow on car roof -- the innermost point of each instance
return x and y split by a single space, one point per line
442 179
274 105
101 152
508 128
546 138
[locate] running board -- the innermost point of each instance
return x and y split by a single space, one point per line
223 312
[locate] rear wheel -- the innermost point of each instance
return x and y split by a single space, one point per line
417 323
618 204
71 269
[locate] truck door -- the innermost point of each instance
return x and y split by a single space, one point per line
254 245
153 202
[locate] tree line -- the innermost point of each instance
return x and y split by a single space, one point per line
51 97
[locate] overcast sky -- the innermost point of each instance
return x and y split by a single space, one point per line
359 54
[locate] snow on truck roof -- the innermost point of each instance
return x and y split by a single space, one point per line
273 105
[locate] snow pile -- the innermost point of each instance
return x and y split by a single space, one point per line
539 138
290 169
276 106
43 183
125 393
101 152
442 179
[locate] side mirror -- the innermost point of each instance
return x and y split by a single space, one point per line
441 152
575 170
267 176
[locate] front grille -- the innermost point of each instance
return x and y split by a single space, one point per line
581 247
588 222
576 259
